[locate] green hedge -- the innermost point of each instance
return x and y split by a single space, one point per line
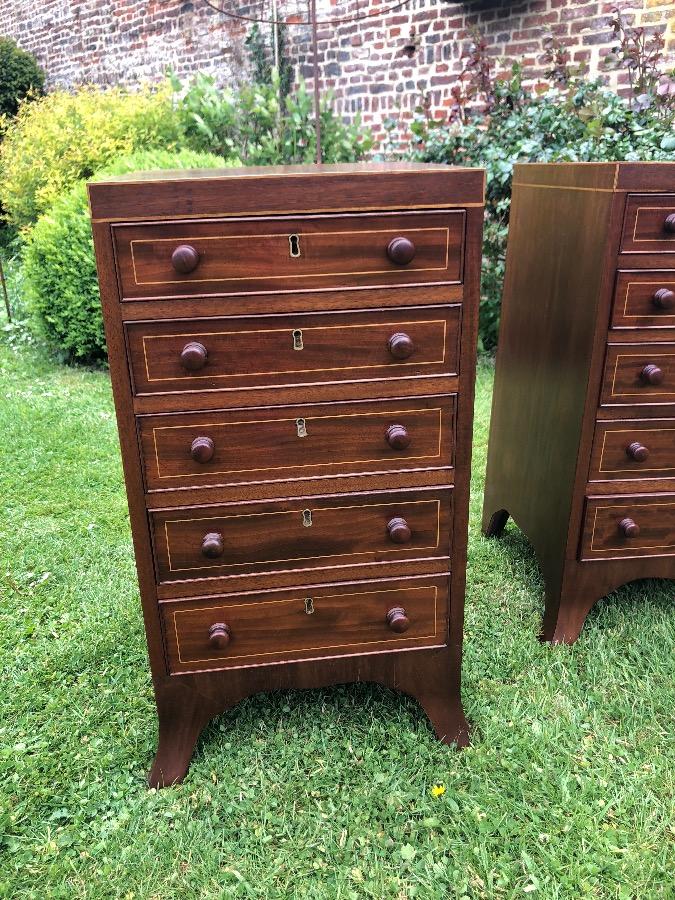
20 76
62 138
58 261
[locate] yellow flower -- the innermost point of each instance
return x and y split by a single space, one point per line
438 790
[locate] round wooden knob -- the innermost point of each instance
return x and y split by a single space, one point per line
397 437
664 299
193 356
398 530
397 620
212 545
652 374
201 449
219 636
629 528
401 250
637 451
400 345
185 259
669 223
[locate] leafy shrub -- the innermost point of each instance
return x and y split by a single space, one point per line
62 138
575 120
59 267
20 76
260 129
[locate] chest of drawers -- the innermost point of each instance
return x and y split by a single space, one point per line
582 443
292 353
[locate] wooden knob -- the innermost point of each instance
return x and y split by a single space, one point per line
637 451
669 223
664 299
201 449
398 530
397 437
401 250
652 374
185 259
219 636
400 345
397 620
212 545
629 528
193 356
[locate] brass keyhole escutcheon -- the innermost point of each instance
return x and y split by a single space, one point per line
309 605
307 518
294 245
297 339
301 427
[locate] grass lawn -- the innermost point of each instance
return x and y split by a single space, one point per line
566 791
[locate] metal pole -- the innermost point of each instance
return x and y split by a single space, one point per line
4 292
317 102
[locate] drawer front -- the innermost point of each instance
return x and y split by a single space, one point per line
639 374
624 450
274 254
292 349
618 528
644 300
333 620
295 442
311 532
649 224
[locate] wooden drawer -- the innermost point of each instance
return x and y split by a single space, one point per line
305 533
633 449
644 299
628 379
305 623
295 442
294 349
249 255
647 226
610 527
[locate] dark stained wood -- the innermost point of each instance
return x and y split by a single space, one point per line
186 701
244 352
646 224
247 255
622 527
304 623
285 190
644 300
561 367
303 533
238 446
639 373
640 449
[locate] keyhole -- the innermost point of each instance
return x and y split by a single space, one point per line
294 245
301 427
307 518
297 339
309 605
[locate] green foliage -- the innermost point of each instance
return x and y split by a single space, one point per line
260 129
261 53
566 792
62 138
20 77
59 267
583 121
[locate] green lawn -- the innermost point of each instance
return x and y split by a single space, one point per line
566 791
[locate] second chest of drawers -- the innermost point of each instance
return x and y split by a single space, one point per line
582 444
292 354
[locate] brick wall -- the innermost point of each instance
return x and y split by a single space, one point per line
110 41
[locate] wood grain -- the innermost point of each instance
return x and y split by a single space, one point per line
257 254
247 352
304 623
243 446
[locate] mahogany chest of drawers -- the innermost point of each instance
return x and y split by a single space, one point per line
582 443
292 353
